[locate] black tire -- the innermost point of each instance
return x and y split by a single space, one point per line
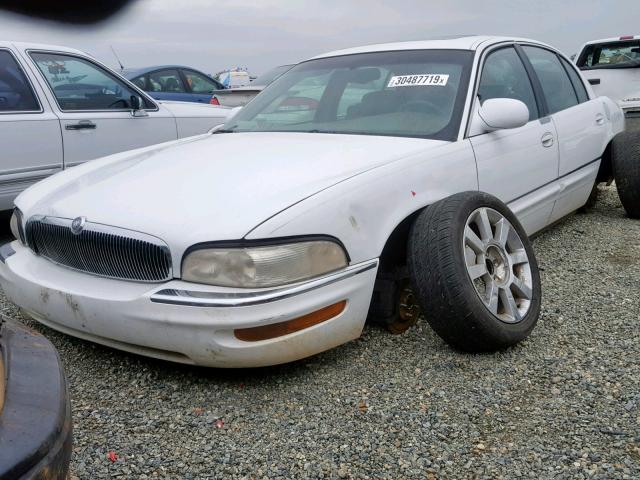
626 171
437 265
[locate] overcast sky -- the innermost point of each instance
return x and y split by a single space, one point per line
258 34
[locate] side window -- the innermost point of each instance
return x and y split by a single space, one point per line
79 84
556 85
586 58
168 81
504 76
576 80
199 83
139 82
15 92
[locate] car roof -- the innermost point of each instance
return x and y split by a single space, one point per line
614 39
462 42
39 46
134 72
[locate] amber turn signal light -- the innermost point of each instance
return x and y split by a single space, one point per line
266 332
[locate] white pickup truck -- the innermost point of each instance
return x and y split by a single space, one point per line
612 67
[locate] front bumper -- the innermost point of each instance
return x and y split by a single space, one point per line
182 321
35 420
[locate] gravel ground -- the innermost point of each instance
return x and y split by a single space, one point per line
563 404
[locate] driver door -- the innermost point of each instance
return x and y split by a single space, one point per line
519 165
94 108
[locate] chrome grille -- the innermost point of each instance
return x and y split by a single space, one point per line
100 249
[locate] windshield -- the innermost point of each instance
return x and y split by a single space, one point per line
270 75
624 54
411 93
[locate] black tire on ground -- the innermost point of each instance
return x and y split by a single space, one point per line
626 171
438 253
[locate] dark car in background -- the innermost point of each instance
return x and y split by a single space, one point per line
174 82
36 436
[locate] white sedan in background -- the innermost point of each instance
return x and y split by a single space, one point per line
412 181
59 107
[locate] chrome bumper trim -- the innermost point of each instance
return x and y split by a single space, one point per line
193 298
6 251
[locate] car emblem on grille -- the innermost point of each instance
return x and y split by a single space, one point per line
77 225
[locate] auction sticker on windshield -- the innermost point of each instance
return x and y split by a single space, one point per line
418 80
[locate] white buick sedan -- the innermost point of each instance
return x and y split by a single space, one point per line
380 182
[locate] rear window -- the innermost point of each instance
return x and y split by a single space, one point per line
623 54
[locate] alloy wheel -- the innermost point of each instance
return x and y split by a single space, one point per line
498 265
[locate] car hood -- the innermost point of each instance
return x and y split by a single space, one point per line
212 187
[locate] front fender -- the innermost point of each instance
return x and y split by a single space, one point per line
364 210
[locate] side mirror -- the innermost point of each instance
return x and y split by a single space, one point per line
502 113
137 107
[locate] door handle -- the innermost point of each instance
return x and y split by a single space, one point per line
547 140
599 119
594 81
81 125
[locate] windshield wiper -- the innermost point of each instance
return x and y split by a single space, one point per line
315 130
227 130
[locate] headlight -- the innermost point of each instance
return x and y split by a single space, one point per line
16 225
263 266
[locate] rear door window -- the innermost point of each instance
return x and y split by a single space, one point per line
578 84
199 83
16 94
556 85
